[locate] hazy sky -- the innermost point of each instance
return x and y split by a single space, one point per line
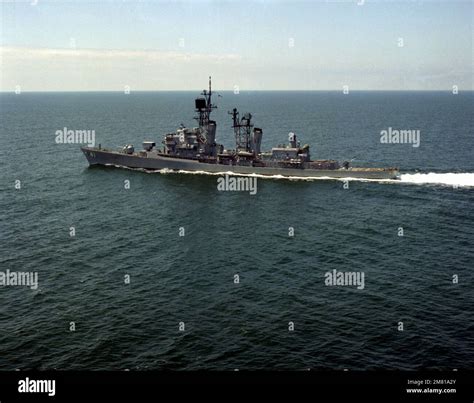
266 45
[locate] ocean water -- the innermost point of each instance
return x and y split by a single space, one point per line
190 278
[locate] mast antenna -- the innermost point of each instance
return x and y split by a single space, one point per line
204 106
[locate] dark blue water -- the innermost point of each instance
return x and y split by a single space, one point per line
190 279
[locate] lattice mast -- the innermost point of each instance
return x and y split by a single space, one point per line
204 107
242 130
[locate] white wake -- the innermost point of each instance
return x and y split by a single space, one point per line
451 179
432 178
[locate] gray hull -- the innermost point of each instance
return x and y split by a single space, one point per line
151 161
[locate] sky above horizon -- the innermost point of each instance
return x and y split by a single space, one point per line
249 45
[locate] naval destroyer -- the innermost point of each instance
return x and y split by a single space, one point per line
195 150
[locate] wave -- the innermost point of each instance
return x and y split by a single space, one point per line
453 179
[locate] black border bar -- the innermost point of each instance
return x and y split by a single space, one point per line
239 385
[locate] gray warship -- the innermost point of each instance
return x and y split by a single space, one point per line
195 150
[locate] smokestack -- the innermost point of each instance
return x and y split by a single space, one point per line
292 139
256 140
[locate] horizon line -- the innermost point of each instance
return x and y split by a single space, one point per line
231 91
